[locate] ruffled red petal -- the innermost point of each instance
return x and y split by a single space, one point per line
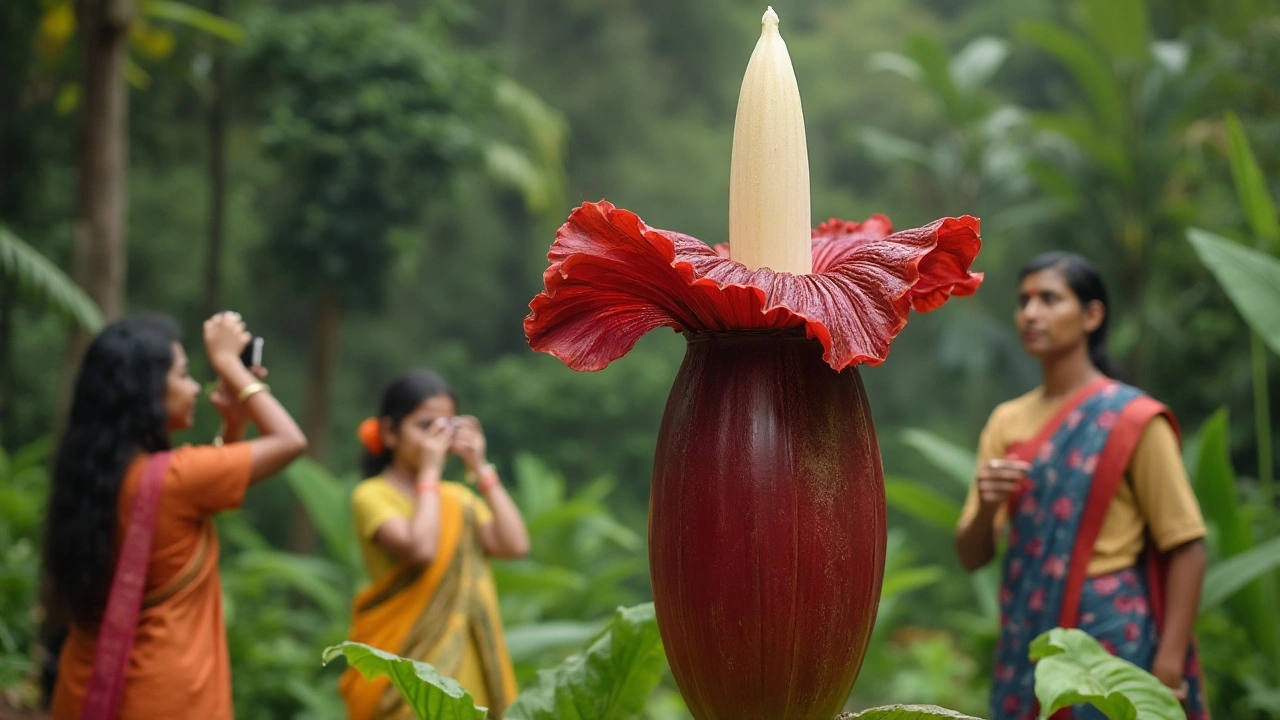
612 278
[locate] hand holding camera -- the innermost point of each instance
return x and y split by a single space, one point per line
469 443
434 446
230 346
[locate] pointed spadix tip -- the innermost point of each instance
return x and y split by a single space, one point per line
769 21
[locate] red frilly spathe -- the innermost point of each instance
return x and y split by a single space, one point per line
613 278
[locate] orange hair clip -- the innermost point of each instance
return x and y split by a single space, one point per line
370 434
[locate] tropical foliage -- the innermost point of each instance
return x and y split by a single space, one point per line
413 159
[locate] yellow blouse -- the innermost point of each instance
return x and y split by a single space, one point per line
377 500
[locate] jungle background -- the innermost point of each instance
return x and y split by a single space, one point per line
374 186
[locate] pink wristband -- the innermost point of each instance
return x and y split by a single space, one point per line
488 480
426 486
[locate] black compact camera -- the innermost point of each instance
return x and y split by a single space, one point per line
252 355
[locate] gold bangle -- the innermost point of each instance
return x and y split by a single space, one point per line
252 389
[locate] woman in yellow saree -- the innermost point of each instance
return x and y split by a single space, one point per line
426 544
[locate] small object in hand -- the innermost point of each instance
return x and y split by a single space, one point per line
252 355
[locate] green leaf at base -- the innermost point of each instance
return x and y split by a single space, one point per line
954 461
39 280
429 694
906 712
922 502
608 681
1250 278
1251 185
1230 575
1073 669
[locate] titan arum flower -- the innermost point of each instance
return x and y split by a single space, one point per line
767 522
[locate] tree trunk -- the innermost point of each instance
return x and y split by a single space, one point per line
217 177
8 297
98 262
324 360
319 401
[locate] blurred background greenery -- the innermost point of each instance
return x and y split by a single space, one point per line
375 185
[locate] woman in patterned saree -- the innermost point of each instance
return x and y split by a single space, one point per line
425 544
1085 474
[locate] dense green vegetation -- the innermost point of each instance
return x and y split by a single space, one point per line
374 186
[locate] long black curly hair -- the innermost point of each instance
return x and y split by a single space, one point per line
117 411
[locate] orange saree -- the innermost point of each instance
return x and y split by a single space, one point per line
179 666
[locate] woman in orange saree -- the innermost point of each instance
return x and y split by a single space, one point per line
426 543
168 657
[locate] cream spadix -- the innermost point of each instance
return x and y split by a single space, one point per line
769 171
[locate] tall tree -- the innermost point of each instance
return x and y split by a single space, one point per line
217 132
98 261
368 117
104 31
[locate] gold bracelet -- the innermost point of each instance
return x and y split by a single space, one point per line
252 389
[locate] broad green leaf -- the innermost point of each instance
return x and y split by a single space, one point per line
1121 28
1250 278
954 461
986 590
1215 486
320 580
922 502
905 712
1073 669
569 514
1226 577
1251 186
978 62
1105 149
536 169
529 642
430 695
905 580
896 63
544 126
608 681
327 501
192 16
41 281
892 149
512 167
539 489
931 55
530 577
1092 74
235 531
